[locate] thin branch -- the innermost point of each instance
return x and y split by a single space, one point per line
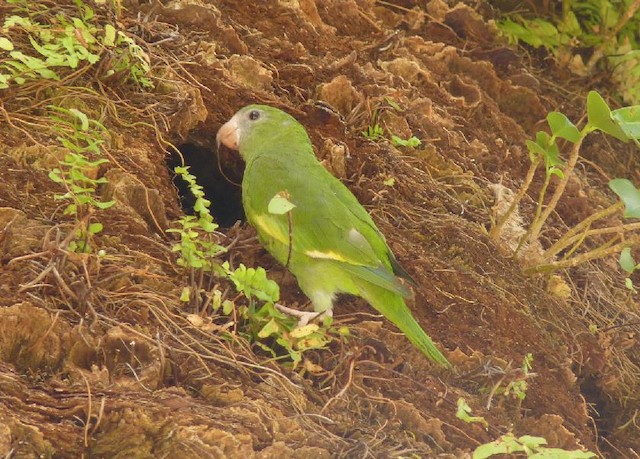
583 228
600 252
536 225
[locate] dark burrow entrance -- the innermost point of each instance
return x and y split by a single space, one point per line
607 413
219 176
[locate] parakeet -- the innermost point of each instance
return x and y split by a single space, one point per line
327 239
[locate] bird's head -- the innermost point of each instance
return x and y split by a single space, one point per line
256 126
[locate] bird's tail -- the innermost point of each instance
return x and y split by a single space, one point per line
393 307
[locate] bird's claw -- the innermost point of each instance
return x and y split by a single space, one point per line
304 317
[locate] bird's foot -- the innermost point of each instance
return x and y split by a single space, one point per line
304 317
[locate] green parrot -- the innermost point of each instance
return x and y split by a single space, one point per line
327 239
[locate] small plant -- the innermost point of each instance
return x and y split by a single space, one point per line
374 132
518 388
128 57
464 414
516 382
267 327
66 43
539 32
629 265
197 246
411 142
544 150
532 447
82 137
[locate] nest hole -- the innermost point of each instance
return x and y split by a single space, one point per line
220 178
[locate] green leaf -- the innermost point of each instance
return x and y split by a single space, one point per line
95 228
600 117
551 151
555 171
562 127
17 20
535 150
532 442
55 175
629 284
628 118
71 209
570 25
46 51
207 226
536 32
185 295
280 204
312 341
626 260
545 147
227 307
514 31
411 142
6 44
545 31
464 413
32 63
503 445
269 329
629 194
266 348
373 132
104 205
216 300
393 104
557 453
306 330
47 74
109 39
254 282
82 117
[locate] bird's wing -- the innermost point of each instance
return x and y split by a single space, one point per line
379 244
327 223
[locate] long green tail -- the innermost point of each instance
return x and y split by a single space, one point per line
393 307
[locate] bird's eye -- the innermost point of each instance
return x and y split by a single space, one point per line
254 115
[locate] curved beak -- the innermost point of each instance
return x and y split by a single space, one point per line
229 135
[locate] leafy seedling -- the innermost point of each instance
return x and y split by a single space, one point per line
464 414
411 142
532 447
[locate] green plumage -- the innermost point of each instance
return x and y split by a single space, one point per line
336 247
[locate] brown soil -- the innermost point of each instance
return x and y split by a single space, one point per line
97 357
